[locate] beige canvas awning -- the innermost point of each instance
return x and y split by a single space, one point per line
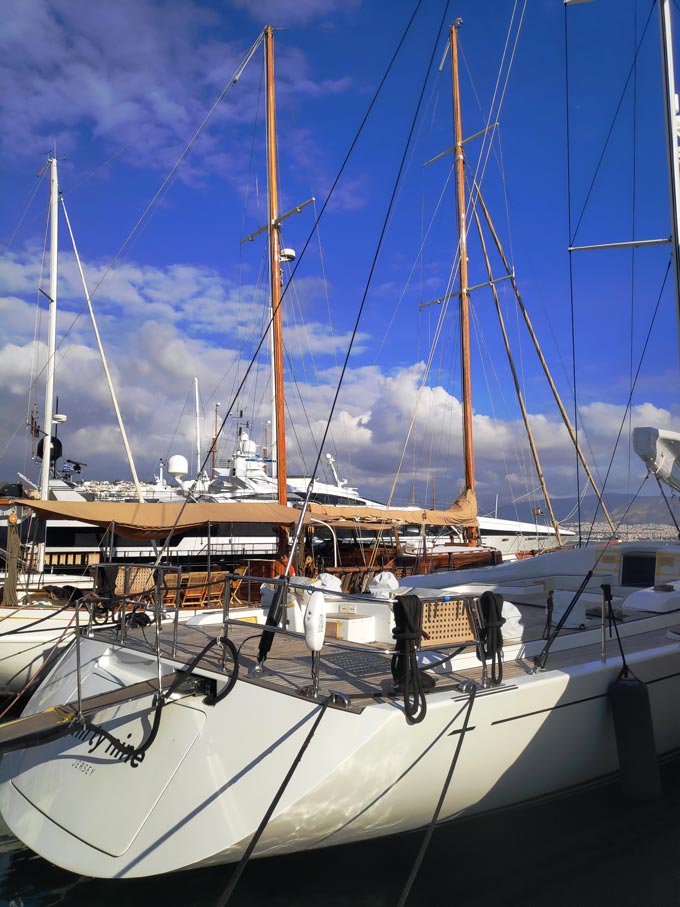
463 512
156 521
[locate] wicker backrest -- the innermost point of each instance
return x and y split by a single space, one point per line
132 579
452 622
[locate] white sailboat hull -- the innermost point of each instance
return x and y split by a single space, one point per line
28 637
202 788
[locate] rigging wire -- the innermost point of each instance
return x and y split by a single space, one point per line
85 179
160 191
633 250
632 70
34 374
301 353
667 503
541 659
525 466
419 253
487 137
177 424
251 172
347 455
173 171
632 390
482 162
329 196
229 890
573 232
375 257
24 211
471 691
488 363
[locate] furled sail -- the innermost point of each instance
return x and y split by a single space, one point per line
463 512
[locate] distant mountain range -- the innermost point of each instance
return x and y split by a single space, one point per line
649 509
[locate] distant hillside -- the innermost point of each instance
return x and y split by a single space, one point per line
646 509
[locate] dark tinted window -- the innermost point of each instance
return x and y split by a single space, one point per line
638 570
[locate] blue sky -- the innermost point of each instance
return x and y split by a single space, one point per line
121 89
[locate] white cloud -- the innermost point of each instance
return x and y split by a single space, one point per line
294 12
137 76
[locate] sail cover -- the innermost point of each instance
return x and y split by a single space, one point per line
158 520
463 512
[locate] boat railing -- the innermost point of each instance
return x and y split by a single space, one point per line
142 594
447 623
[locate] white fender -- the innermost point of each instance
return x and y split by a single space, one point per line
315 621
383 585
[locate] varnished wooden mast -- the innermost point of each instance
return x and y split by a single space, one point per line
46 463
275 271
464 284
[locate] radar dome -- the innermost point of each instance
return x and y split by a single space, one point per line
178 466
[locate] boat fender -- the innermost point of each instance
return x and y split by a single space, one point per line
324 581
315 621
328 581
383 585
638 765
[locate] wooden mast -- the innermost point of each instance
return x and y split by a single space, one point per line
51 334
279 439
471 534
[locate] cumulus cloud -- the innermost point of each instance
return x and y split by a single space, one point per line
161 328
137 77
294 12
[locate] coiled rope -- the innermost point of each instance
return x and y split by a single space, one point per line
491 637
161 698
408 677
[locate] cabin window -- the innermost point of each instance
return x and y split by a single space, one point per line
638 570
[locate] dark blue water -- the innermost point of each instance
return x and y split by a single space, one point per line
593 848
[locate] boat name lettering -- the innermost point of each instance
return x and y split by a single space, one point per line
124 752
83 767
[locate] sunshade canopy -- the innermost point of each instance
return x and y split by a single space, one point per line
157 521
